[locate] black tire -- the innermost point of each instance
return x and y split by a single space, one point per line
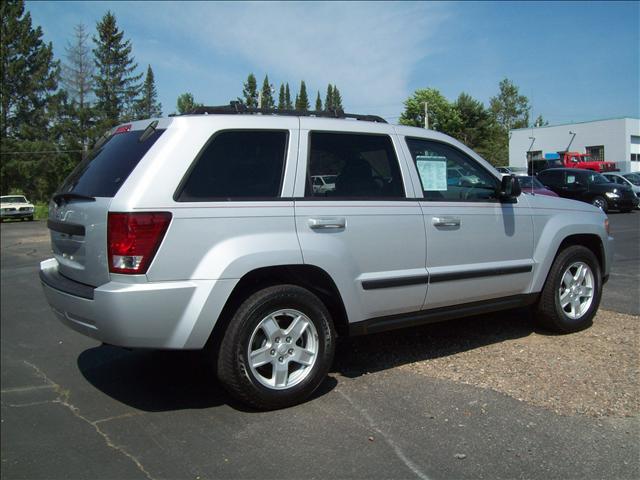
233 368
601 203
30 218
549 312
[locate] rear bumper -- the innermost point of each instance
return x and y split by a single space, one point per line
164 315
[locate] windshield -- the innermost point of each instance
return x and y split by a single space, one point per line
633 178
596 178
13 200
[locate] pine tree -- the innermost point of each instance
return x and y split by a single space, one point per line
318 103
27 103
328 99
287 98
250 92
336 98
281 100
116 84
77 78
148 105
29 75
302 100
267 96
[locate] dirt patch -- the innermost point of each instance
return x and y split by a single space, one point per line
594 372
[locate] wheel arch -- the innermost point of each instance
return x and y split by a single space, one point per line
311 277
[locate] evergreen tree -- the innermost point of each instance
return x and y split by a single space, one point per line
267 96
281 98
77 78
287 98
116 84
148 106
185 103
318 103
29 75
302 100
27 104
475 121
540 122
336 98
328 100
250 92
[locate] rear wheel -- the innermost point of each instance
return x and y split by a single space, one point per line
571 295
600 202
277 349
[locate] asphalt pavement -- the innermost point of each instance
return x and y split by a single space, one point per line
72 408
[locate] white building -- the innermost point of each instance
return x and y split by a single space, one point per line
615 140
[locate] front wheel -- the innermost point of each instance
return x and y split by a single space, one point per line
571 294
601 203
278 348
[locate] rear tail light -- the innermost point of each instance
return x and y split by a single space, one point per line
607 227
133 239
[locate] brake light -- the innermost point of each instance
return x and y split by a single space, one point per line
133 239
123 129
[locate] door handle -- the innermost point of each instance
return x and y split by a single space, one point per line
446 221
327 223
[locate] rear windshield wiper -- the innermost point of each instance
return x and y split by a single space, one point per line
58 198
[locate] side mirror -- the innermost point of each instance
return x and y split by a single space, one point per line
510 188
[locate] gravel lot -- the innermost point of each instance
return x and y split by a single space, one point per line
594 372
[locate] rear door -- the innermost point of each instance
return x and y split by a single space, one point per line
78 211
365 230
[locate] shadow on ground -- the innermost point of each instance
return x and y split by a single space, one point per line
372 353
157 381
164 380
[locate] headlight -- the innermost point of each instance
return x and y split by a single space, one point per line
612 195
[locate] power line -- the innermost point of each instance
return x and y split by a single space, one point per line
41 152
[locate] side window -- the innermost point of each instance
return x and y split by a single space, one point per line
448 175
353 165
237 164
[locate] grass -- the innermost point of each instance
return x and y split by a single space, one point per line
41 211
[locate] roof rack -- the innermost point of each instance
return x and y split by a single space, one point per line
236 107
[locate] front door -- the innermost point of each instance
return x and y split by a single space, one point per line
477 247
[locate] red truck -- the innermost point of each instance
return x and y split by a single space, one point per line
570 160
584 160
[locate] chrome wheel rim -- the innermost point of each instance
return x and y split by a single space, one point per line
599 203
576 290
283 349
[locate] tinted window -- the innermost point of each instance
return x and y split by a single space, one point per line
449 175
551 177
353 166
240 164
107 167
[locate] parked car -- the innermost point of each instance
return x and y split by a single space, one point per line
631 180
15 206
533 186
514 170
204 232
589 186
323 183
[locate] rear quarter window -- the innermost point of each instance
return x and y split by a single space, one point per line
237 165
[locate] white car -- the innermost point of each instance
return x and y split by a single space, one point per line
323 183
15 206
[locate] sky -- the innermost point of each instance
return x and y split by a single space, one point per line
575 61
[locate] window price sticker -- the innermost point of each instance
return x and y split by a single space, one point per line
433 173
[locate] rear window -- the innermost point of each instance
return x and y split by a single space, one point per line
237 165
107 167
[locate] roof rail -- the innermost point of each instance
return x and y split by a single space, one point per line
235 107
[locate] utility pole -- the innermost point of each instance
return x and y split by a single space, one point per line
426 115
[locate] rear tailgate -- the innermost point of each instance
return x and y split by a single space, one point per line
78 212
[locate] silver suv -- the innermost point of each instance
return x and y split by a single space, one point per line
205 232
